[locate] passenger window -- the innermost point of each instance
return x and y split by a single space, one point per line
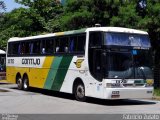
35 47
73 44
50 46
77 44
61 45
23 48
27 47
14 48
43 46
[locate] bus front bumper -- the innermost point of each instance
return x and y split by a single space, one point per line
128 93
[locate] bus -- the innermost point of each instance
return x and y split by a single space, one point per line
2 65
99 62
2 61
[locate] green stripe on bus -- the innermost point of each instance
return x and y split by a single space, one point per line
52 72
61 73
75 31
80 31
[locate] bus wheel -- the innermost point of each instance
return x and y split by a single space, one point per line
19 83
79 92
25 83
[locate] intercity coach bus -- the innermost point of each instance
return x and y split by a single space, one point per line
100 62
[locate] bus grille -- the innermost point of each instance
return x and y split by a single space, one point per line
133 85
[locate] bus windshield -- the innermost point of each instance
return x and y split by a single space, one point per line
129 57
127 39
133 64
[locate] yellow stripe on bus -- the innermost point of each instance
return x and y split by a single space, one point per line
59 33
39 75
46 66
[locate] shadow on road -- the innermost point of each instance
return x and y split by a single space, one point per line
91 100
4 83
119 102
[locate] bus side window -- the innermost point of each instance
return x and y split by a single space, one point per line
23 48
43 46
15 48
36 47
95 39
61 45
77 44
72 44
50 46
64 44
57 45
19 49
27 47
81 43
31 48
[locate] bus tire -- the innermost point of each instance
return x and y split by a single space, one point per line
25 83
19 83
79 92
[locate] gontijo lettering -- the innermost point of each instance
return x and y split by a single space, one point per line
31 61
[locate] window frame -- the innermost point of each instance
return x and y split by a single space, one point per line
74 53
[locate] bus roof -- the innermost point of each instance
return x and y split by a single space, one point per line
117 29
105 29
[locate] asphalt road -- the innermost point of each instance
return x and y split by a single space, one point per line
38 101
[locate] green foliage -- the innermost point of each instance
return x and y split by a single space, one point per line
86 13
127 17
43 16
157 92
29 21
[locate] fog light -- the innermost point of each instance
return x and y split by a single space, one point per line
149 82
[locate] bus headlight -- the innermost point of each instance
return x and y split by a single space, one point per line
149 82
113 85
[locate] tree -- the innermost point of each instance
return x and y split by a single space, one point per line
33 20
86 13
2 9
43 16
127 16
44 12
15 24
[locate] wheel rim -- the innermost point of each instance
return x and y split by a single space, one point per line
80 91
19 83
25 84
